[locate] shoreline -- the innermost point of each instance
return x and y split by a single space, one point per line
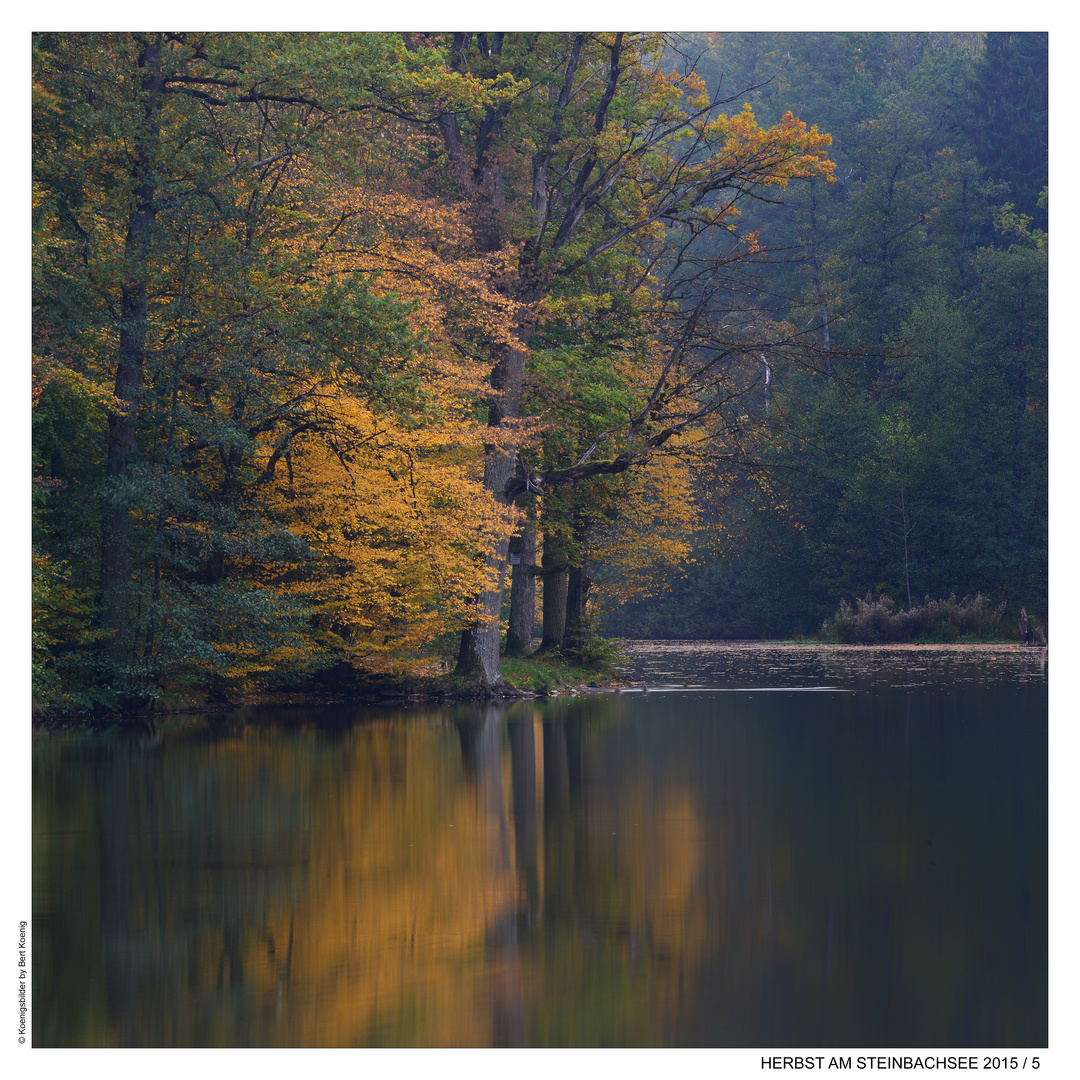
380 689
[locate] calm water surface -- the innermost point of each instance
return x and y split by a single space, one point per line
769 847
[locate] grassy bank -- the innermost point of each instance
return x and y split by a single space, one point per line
548 673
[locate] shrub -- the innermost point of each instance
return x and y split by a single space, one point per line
590 649
879 621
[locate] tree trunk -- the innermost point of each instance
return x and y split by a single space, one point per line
554 579
907 531
115 580
478 658
577 594
523 594
815 262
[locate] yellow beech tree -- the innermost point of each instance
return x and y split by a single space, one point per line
391 497
189 193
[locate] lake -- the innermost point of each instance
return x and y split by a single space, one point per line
766 846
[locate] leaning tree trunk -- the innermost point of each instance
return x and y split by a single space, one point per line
523 594
115 580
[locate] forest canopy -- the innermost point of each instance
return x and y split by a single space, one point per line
349 347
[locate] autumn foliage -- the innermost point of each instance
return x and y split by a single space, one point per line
329 315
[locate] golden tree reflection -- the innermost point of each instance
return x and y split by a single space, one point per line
401 884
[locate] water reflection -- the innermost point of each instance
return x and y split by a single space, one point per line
681 869
722 665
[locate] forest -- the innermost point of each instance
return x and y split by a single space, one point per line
355 351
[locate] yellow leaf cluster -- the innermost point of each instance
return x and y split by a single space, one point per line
656 520
401 520
395 505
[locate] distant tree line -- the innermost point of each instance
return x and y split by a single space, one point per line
913 462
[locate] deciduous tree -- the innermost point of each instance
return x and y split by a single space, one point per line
600 151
